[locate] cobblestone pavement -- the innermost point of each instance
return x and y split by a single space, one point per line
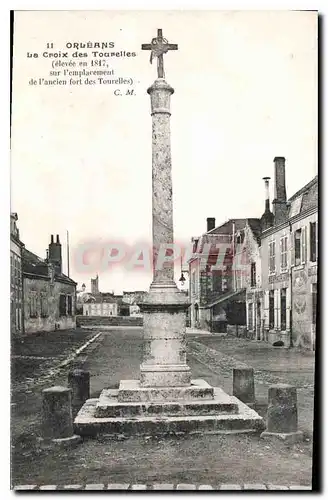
214 460
271 366
35 358
37 362
224 364
162 487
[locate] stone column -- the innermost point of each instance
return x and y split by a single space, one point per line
282 414
79 382
243 385
57 419
164 359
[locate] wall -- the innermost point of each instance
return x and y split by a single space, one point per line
87 321
52 320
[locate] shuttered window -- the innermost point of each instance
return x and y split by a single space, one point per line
272 257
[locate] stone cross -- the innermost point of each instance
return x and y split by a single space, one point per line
158 47
164 357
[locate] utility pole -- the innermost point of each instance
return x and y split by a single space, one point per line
67 240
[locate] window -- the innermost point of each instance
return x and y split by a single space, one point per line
69 305
193 282
271 309
44 305
297 246
314 303
12 269
272 257
238 279
62 305
217 281
283 309
253 274
250 317
283 254
33 305
224 284
303 245
313 241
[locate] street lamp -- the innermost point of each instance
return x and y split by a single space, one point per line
182 279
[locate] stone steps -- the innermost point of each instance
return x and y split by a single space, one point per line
246 420
109 406
132 391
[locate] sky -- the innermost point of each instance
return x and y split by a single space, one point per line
245 91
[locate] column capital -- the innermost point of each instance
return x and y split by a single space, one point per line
160 84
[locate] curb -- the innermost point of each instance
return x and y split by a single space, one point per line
159 486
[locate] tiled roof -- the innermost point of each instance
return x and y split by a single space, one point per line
255 225
308 195
226 227
32 264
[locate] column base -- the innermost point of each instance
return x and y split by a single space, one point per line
288 437
164 375
132 390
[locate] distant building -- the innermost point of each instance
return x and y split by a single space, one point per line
16 278
99 303
100 309
49 295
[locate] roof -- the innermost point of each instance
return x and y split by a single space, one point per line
227 296
304 199
226 227
255 225
33 264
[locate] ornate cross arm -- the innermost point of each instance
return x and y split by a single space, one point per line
159 46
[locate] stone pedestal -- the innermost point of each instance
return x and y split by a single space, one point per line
79 382
282 414
57 420
243 384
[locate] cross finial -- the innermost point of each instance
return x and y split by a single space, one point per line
159 46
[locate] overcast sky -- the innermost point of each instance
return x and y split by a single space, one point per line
245 91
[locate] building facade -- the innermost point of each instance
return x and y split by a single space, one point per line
282 309
100 309
16 279
98 303
49 295
216 291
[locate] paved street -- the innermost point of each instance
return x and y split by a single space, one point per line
214 459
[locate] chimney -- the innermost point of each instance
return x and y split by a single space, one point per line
210 223
280 198
267 218
55 254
